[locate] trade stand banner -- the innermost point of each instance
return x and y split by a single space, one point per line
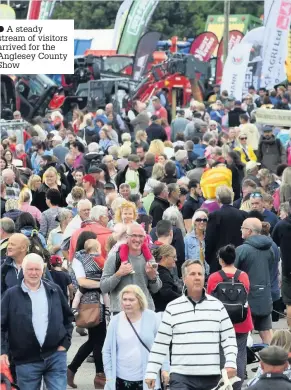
120 22
235 69
235 37
273 117
275 46
137 20
145 48
204 46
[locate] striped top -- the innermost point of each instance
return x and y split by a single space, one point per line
195 331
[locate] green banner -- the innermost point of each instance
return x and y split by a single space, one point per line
138 18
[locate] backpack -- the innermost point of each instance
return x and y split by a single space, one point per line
233 294
35 246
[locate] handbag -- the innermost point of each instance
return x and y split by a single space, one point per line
137 335
89 315
146 347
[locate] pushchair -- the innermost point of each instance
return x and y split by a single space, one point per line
252 353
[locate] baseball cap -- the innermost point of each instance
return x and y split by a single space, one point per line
95 169
181 155
109 186
133 158
56 260
267 128
250 165
237 103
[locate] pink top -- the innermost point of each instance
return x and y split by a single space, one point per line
168 132
34 211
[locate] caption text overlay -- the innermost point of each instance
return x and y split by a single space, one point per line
36 46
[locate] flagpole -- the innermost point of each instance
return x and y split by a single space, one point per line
226 29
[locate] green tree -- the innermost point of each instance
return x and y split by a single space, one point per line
181 18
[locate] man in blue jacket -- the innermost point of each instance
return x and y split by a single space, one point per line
11 269
36 328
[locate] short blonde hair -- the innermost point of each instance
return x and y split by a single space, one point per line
157 147
139 294
282 338
125 137
125 205
140 134
117 203
31 182
52 170
24 196
124 151
158 171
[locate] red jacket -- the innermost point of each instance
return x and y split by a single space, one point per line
102 232
247 325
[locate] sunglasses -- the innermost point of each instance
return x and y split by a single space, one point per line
243 138
201 220
256 195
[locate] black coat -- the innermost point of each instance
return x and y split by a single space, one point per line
155 131
120 178
282 237
233 117
190 206
16 321
271 382
177 243
157 209
223 227
40 195
168 292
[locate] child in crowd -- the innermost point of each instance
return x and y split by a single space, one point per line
92 249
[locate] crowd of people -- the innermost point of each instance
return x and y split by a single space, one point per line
165 241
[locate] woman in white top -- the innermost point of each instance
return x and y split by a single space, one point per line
130 336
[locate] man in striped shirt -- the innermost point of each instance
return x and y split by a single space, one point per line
195 325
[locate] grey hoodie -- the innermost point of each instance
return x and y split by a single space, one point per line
255 257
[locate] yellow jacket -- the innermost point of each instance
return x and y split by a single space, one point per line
250 153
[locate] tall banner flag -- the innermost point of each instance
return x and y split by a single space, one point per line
204 46
120 22
235 69
235 37
46 9
138 18
145 48
267 8
275 46
33 9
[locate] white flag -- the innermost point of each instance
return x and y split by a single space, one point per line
275 47
235 68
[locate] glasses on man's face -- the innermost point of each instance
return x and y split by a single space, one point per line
256 195
243 138
204 220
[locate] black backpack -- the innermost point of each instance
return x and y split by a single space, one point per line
36 246
233 294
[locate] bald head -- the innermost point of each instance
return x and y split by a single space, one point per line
17 248
251 227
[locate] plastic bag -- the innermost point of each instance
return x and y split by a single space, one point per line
225 383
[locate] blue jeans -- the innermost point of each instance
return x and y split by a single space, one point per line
53 370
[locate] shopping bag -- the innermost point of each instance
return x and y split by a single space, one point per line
225 383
